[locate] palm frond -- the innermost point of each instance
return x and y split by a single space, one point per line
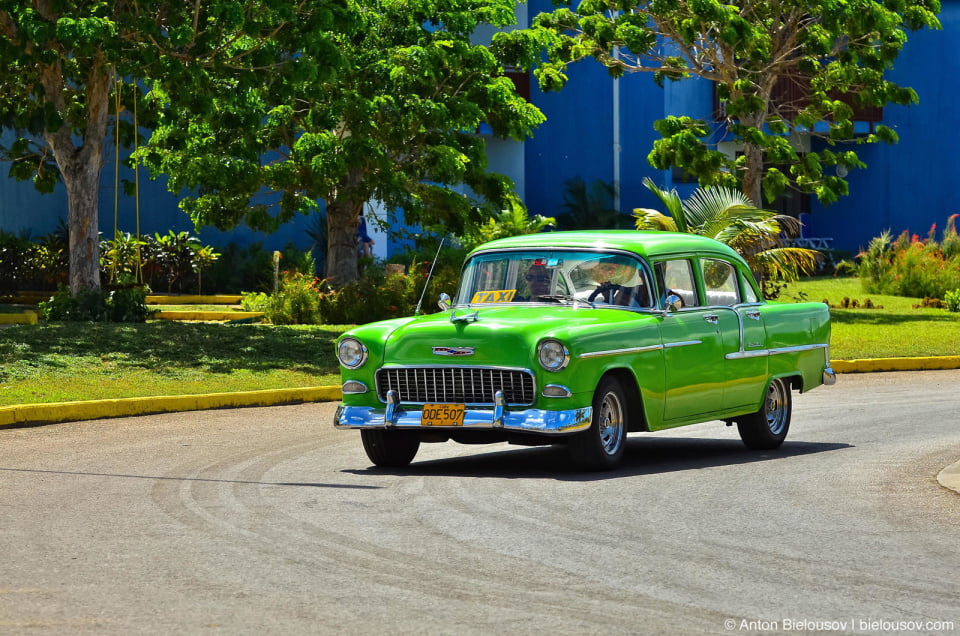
647 219
786 263
672 202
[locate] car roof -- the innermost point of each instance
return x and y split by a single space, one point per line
644 243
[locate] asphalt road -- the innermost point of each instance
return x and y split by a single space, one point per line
268 520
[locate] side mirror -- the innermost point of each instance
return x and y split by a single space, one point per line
444 302
673 303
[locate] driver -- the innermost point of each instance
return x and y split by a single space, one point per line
538 282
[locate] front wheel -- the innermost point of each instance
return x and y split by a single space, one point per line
767 428
601 446
390 449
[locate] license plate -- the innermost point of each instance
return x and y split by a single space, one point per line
442 415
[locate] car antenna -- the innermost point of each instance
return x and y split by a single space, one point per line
429 274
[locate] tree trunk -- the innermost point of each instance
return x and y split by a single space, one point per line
80 168
83 183
753 173
342 219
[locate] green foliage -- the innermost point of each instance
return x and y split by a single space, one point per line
952 298
513 221
61 99
397 123
253 301
128 304
379 296
730 217
297 302
750 51
911 266
122 256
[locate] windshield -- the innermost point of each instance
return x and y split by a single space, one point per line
555 276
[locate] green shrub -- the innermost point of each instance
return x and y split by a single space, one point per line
253 301
295 303
911 266
952 298
127 304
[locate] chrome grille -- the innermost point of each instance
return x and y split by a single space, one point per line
455 385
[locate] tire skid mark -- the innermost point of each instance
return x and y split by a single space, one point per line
308 544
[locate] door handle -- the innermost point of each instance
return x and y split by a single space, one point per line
713 319
755 315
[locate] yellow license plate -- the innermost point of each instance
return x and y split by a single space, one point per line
442 415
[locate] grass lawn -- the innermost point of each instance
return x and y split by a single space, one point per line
63 362
895 331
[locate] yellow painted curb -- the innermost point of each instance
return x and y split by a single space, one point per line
125 407
25 317
171 299
896 364
206 315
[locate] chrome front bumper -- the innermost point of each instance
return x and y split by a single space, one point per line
498 418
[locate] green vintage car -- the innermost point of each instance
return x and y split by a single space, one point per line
579 338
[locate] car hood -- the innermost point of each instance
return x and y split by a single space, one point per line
498 336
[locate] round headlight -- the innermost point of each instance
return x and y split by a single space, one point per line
552 355
351 353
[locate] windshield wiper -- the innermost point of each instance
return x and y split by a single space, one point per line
562 297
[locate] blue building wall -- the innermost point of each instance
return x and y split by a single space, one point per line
912 184
23 210
907 186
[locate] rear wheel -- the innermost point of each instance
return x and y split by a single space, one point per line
767 428
601 446
390 449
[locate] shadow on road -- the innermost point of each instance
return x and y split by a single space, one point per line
644 456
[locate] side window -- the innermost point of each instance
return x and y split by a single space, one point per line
720 282
676 277
749 295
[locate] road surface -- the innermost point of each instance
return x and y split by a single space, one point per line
267 520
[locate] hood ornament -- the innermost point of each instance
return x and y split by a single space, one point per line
453 351
465 317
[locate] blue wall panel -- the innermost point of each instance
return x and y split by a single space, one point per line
912 184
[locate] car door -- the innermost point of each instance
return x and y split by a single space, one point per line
692 347
734 303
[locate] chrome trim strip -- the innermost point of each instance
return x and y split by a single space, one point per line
759 353
683 343
614 352
439 364
528 420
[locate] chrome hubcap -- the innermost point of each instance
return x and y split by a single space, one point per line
776 407
611 424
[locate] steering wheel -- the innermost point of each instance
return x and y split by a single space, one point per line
608 291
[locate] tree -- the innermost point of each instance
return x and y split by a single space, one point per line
835 50
398 124
729 216
63 60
